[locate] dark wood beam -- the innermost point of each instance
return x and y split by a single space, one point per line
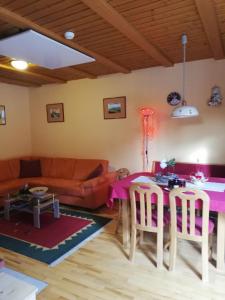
20 21
5 79
109 14
207 12
33 74
78 71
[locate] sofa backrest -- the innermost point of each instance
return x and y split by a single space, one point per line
67 168
183 168
10 168
5 172
70 168
57 167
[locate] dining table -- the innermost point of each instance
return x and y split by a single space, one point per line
120 190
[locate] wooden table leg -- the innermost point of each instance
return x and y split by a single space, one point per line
220 256
7 209
126 222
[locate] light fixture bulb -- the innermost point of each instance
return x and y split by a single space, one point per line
19 64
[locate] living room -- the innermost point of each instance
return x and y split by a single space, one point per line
118 140
100 269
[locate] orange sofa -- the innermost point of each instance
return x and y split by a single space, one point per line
67 177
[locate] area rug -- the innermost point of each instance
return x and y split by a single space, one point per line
55 240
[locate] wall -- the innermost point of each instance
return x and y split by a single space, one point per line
85 133
15 135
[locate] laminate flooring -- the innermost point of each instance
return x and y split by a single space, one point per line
101 270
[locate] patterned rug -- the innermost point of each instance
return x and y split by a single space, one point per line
55 240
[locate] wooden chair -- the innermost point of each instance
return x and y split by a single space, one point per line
186 225
147 217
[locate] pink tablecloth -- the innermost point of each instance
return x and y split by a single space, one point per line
120 190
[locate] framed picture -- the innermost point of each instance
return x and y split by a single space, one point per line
114 108
55 112
2 115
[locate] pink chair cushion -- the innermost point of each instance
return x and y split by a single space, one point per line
166 218
198 225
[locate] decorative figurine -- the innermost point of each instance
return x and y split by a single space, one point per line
216 97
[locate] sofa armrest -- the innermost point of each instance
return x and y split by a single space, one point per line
94 184
97 181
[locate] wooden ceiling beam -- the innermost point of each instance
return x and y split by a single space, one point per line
81 72
207 12
20 21
5 79
109 14
36 75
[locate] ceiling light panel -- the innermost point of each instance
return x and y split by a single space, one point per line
41 50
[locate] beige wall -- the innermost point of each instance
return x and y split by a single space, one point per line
15 135
85 133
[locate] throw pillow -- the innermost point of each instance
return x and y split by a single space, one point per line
96 172
30 168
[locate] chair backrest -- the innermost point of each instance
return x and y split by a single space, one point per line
142 195
186 198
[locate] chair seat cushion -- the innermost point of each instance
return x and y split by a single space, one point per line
166 218
198 224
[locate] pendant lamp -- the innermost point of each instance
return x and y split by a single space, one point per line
184 110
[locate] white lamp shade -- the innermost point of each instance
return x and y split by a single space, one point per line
185 111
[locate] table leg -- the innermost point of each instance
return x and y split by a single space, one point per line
36 217
125 222
56 209
220 259
7 210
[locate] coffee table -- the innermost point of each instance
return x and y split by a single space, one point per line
13 288
32 204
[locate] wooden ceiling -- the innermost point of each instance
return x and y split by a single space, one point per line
122 35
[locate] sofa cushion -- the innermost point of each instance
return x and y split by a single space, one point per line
12 185
98 171
30 168
5 172
14 165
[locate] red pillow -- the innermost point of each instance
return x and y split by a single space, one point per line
30 168
96 172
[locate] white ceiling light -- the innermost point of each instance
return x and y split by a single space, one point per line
19 64
184 111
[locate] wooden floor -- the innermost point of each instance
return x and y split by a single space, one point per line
100 270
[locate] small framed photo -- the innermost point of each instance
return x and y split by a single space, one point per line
114 108
55 112
2 115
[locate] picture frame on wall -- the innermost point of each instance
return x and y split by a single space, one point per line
55 112
114 108
2 115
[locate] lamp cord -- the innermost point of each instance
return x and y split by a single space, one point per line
184 42
184 65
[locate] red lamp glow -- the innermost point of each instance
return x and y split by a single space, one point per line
146 111
148 132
